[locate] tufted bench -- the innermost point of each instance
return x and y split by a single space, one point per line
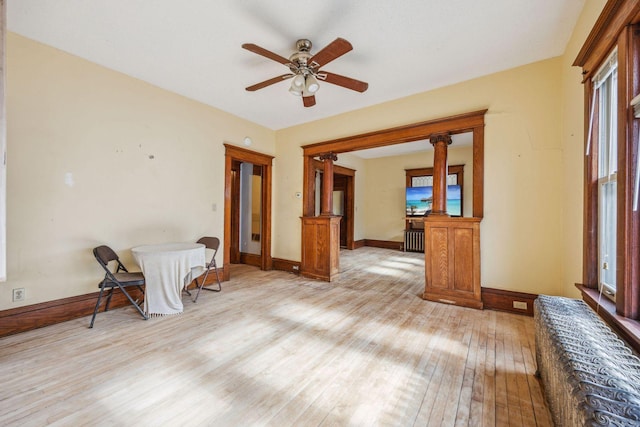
590 376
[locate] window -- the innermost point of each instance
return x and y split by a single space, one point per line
605 85
423 177
610 61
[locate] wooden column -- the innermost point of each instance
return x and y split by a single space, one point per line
440 143
327 183
321 234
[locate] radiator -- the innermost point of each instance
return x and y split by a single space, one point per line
590 376
414 240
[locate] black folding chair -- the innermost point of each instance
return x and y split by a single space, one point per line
212 243
120 279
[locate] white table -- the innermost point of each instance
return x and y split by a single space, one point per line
166 268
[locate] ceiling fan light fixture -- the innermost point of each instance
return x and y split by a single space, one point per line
306 69
298 81
311 84
295 90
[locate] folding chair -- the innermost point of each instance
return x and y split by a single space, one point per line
212 243
120 279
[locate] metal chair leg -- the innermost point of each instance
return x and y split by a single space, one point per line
204 279
215 268
133 302
95 310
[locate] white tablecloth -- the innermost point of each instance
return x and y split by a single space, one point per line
166 267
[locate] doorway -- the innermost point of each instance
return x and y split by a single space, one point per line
246 213
247 209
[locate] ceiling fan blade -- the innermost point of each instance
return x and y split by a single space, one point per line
333 50
343 81
269 82
309 101
266 53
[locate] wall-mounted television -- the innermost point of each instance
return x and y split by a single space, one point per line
419 200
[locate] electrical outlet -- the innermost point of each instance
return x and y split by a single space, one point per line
18 294
520 305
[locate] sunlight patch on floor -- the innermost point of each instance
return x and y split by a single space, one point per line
390 271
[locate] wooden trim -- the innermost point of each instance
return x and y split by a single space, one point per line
357 244
265 249
385 244
502 300
28 317
627 329
35 316
234 235
233 153
350 210
309 189
590 199
249 156
226 242
469 122
453 124
286 265
251 259
628 221
478 172
615 15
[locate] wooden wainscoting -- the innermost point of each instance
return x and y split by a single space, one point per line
35 316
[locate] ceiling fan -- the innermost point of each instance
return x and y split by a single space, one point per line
305 69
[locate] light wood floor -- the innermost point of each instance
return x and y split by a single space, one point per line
275 349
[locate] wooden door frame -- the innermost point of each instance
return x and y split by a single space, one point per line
233 153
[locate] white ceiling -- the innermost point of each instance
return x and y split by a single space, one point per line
400 47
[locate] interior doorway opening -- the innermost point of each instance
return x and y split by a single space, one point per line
247 221
246 207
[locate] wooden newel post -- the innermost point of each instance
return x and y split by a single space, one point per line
440 171
327 183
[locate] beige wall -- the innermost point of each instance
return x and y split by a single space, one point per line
145 166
